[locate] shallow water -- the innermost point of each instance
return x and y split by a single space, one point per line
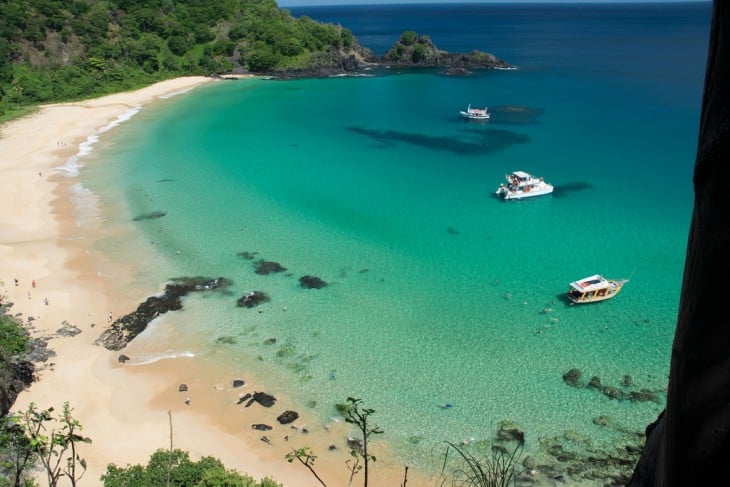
438 292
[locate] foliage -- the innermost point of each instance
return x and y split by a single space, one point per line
16 456
306 457
413 48
408 38
183 472
58 50
496 469
26 441
13 338
355 414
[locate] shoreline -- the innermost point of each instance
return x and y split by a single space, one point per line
122 408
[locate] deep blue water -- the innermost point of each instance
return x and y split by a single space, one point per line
439 293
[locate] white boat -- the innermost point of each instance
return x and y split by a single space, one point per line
594 288
475 113
523 185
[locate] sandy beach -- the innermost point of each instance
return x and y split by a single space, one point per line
124 408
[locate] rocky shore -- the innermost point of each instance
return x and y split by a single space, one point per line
410 51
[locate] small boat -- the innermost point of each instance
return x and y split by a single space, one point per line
475 113
594 288
523 185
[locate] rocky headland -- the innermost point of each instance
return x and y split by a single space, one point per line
410 51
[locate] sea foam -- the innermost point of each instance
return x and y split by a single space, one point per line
73 164
86 205
150 359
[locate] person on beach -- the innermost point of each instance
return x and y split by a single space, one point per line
33 283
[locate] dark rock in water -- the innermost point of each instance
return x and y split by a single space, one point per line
457 71
262 427
287 417
243 398
644 395
250 401
509 431
266 267
311 282
238 383
253 298
183 388
595 382
612 392
123 330
150 216
572 378
266 400
270 341
248 255
354 444
627 381
122 358
602 420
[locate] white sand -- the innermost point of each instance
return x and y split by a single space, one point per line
124 408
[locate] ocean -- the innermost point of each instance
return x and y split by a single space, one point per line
444 309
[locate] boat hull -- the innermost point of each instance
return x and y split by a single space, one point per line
471 116
519 195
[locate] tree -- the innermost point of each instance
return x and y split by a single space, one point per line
175 469
306 457
359 417
57 452
408 38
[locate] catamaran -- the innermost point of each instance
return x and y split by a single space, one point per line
523 185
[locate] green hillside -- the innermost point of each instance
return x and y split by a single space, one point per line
54 50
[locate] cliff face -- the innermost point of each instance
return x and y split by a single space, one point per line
689 444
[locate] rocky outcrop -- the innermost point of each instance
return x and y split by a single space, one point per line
414 50
252 298
411 50
17 375
123 330
311 282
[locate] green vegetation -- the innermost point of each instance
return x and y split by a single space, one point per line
25 441
353 413
13 339
359 416
54 50
472 469
412 48
175 469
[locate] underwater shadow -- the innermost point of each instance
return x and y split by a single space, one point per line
563 190
482 141
515 114
150 216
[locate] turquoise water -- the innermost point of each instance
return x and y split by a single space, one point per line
438 292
